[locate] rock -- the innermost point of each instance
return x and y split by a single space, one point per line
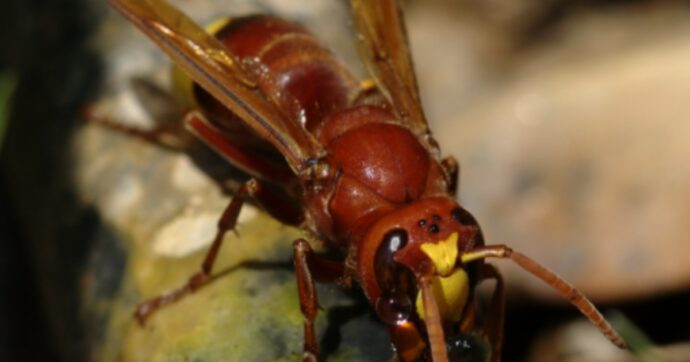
573 151
164 210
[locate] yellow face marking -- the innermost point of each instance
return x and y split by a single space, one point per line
451 287
443 254
450 293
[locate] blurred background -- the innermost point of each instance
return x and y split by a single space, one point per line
570 120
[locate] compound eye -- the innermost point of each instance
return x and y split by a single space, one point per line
384 264
395 281
463 217
394 240
466 220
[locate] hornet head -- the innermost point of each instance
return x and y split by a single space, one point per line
421 240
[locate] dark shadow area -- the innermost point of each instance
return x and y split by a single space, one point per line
23 330
338 317
48 234
527 321
665 318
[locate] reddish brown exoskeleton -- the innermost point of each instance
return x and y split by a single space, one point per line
356 166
